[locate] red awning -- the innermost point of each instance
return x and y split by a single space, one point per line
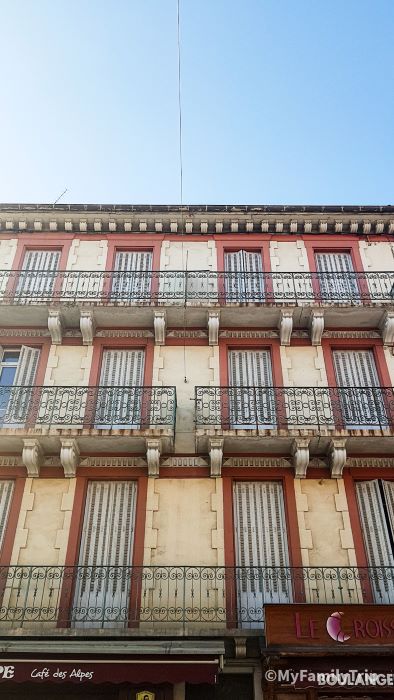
135 670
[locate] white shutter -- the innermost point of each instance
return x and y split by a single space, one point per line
6 492
120 406
132 277
388 487
107 541
362 402
260 546
337 281
254 406
21 396
37 278
244 276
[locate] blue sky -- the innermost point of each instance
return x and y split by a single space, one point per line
284 101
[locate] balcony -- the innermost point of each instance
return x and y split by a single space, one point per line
169 600
125 416
350 298
254 419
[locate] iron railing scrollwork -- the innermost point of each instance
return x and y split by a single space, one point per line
269 407
102 407
116 596
201 286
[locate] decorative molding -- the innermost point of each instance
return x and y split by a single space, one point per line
371 462
316 326
338 226
87 325
32 456
337 457
351 334
300 456
285 326
55 326
124 334
204 227
323 226
69 456
240 647
159 325
213 327
248 334
184 462
153 450
28 332
113 462
308 226
386 327
216 456
257 462
187 334
10 462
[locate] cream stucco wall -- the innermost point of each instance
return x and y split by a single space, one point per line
388 351
377 256
7 253
201 366
182 255
68 365
287 256
303 366
324 527
87 255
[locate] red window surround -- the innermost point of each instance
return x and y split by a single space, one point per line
252 244
101 344
44 345
17 474
374 344
133 243
326 244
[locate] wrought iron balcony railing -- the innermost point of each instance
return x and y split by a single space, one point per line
179 287
118 597
101 407
270 407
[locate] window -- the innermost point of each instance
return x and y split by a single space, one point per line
376 507
105 556
337 279
120 399
252 399
361 400
132 277
18 369
36 280
261 549
244 280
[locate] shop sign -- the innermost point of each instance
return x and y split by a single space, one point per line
145 695
329 625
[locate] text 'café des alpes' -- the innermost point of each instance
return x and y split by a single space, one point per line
196 452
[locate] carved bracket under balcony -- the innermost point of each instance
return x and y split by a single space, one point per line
213 327
386 327
69 457
337 457
87 325
32 456
153 450
285 326
316 326
159 325
300 456
55 326
216 456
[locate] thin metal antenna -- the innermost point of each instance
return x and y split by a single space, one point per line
60 196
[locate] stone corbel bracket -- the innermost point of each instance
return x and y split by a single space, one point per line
316 326
153 451
386 328
300 456
213 327
216 456
87 325
32 456
159 325
55 326
285 326
337 457
69 457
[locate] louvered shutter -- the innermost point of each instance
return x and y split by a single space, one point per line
105 557
22 395
254 405
38 276
376 539
244 276
6 492
336 277
132 276
119 397
362 401
388 487
260 546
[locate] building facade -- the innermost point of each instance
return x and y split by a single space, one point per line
196 451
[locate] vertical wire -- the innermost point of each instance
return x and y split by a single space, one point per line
181 177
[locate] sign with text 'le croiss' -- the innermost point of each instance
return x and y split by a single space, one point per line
329 625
